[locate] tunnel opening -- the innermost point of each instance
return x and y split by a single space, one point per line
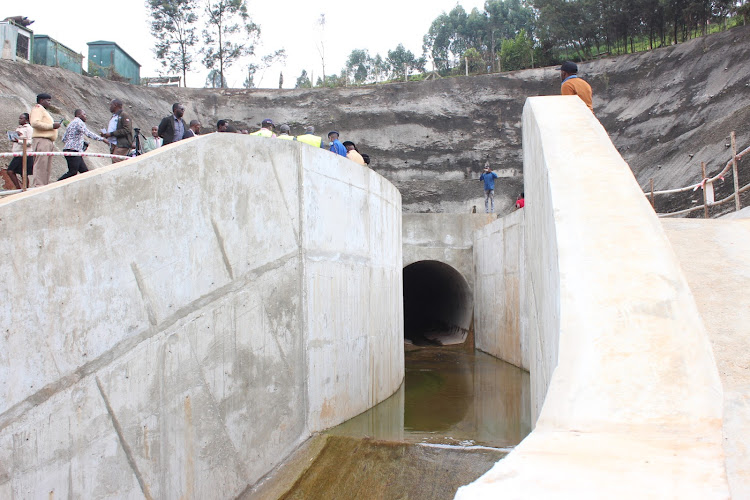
437 304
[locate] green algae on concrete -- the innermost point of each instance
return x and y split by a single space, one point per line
364 468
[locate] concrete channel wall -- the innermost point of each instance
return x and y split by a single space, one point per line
623 380
174 325
498 272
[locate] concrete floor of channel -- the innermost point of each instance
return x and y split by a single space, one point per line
457 413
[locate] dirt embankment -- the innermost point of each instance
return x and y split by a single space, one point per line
432 138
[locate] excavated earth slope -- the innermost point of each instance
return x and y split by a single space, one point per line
666 111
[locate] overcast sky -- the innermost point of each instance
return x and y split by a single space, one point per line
377 26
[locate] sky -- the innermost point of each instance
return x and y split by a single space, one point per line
378 26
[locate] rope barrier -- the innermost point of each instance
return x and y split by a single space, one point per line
716 177
698 207
64 153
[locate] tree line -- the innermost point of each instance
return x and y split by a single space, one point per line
506 35
516 34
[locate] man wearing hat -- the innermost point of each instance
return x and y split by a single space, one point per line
572 84
285 129
45 133
336 145
266 129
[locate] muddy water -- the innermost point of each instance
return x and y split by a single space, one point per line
457 413
450 396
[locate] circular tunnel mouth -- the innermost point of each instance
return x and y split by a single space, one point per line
437 304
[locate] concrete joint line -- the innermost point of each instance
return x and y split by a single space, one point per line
125 446
130 343
222 249
282 191
144 294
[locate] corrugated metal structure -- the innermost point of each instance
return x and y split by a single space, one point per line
108 60
17 42
50 52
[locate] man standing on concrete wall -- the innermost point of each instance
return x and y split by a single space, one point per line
266 129
572 84
193 129
310 138
488 176
45 133
153 142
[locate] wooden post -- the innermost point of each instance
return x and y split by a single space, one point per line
705 197
466 60
652 194
735 173
24 174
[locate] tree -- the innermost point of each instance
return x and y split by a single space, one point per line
173 27
229 34
265 62
517 53
303 81
400 59
215 80
358 66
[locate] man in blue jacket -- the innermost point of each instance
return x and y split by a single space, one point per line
336 145
488 176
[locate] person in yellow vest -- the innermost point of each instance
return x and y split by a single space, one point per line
310 138
572 84
44 136
266 129
284 133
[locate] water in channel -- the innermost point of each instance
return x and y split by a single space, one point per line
458 412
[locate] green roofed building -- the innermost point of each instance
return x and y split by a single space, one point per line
108 60
50 52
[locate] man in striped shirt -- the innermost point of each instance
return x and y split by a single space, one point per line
73 143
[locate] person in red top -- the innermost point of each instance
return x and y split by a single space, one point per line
520 201
572 84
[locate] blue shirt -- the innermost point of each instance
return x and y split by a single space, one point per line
179 130
489 180
338 148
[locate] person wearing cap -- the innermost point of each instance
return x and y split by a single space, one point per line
284 133
353 154
44 136
336 145
572 84
488 177
266 129
310 138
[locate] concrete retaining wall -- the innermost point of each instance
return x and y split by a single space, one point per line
623 380
498 271
174 325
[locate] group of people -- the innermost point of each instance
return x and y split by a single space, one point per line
38 130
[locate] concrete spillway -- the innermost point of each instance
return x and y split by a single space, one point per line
188 322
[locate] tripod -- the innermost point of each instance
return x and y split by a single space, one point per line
138 135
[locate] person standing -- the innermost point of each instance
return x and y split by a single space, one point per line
73 142
572 84
310 138
336 145
15 167
488 176
284 133
172 128
153 142
266 129
122 132
44 136
193 129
